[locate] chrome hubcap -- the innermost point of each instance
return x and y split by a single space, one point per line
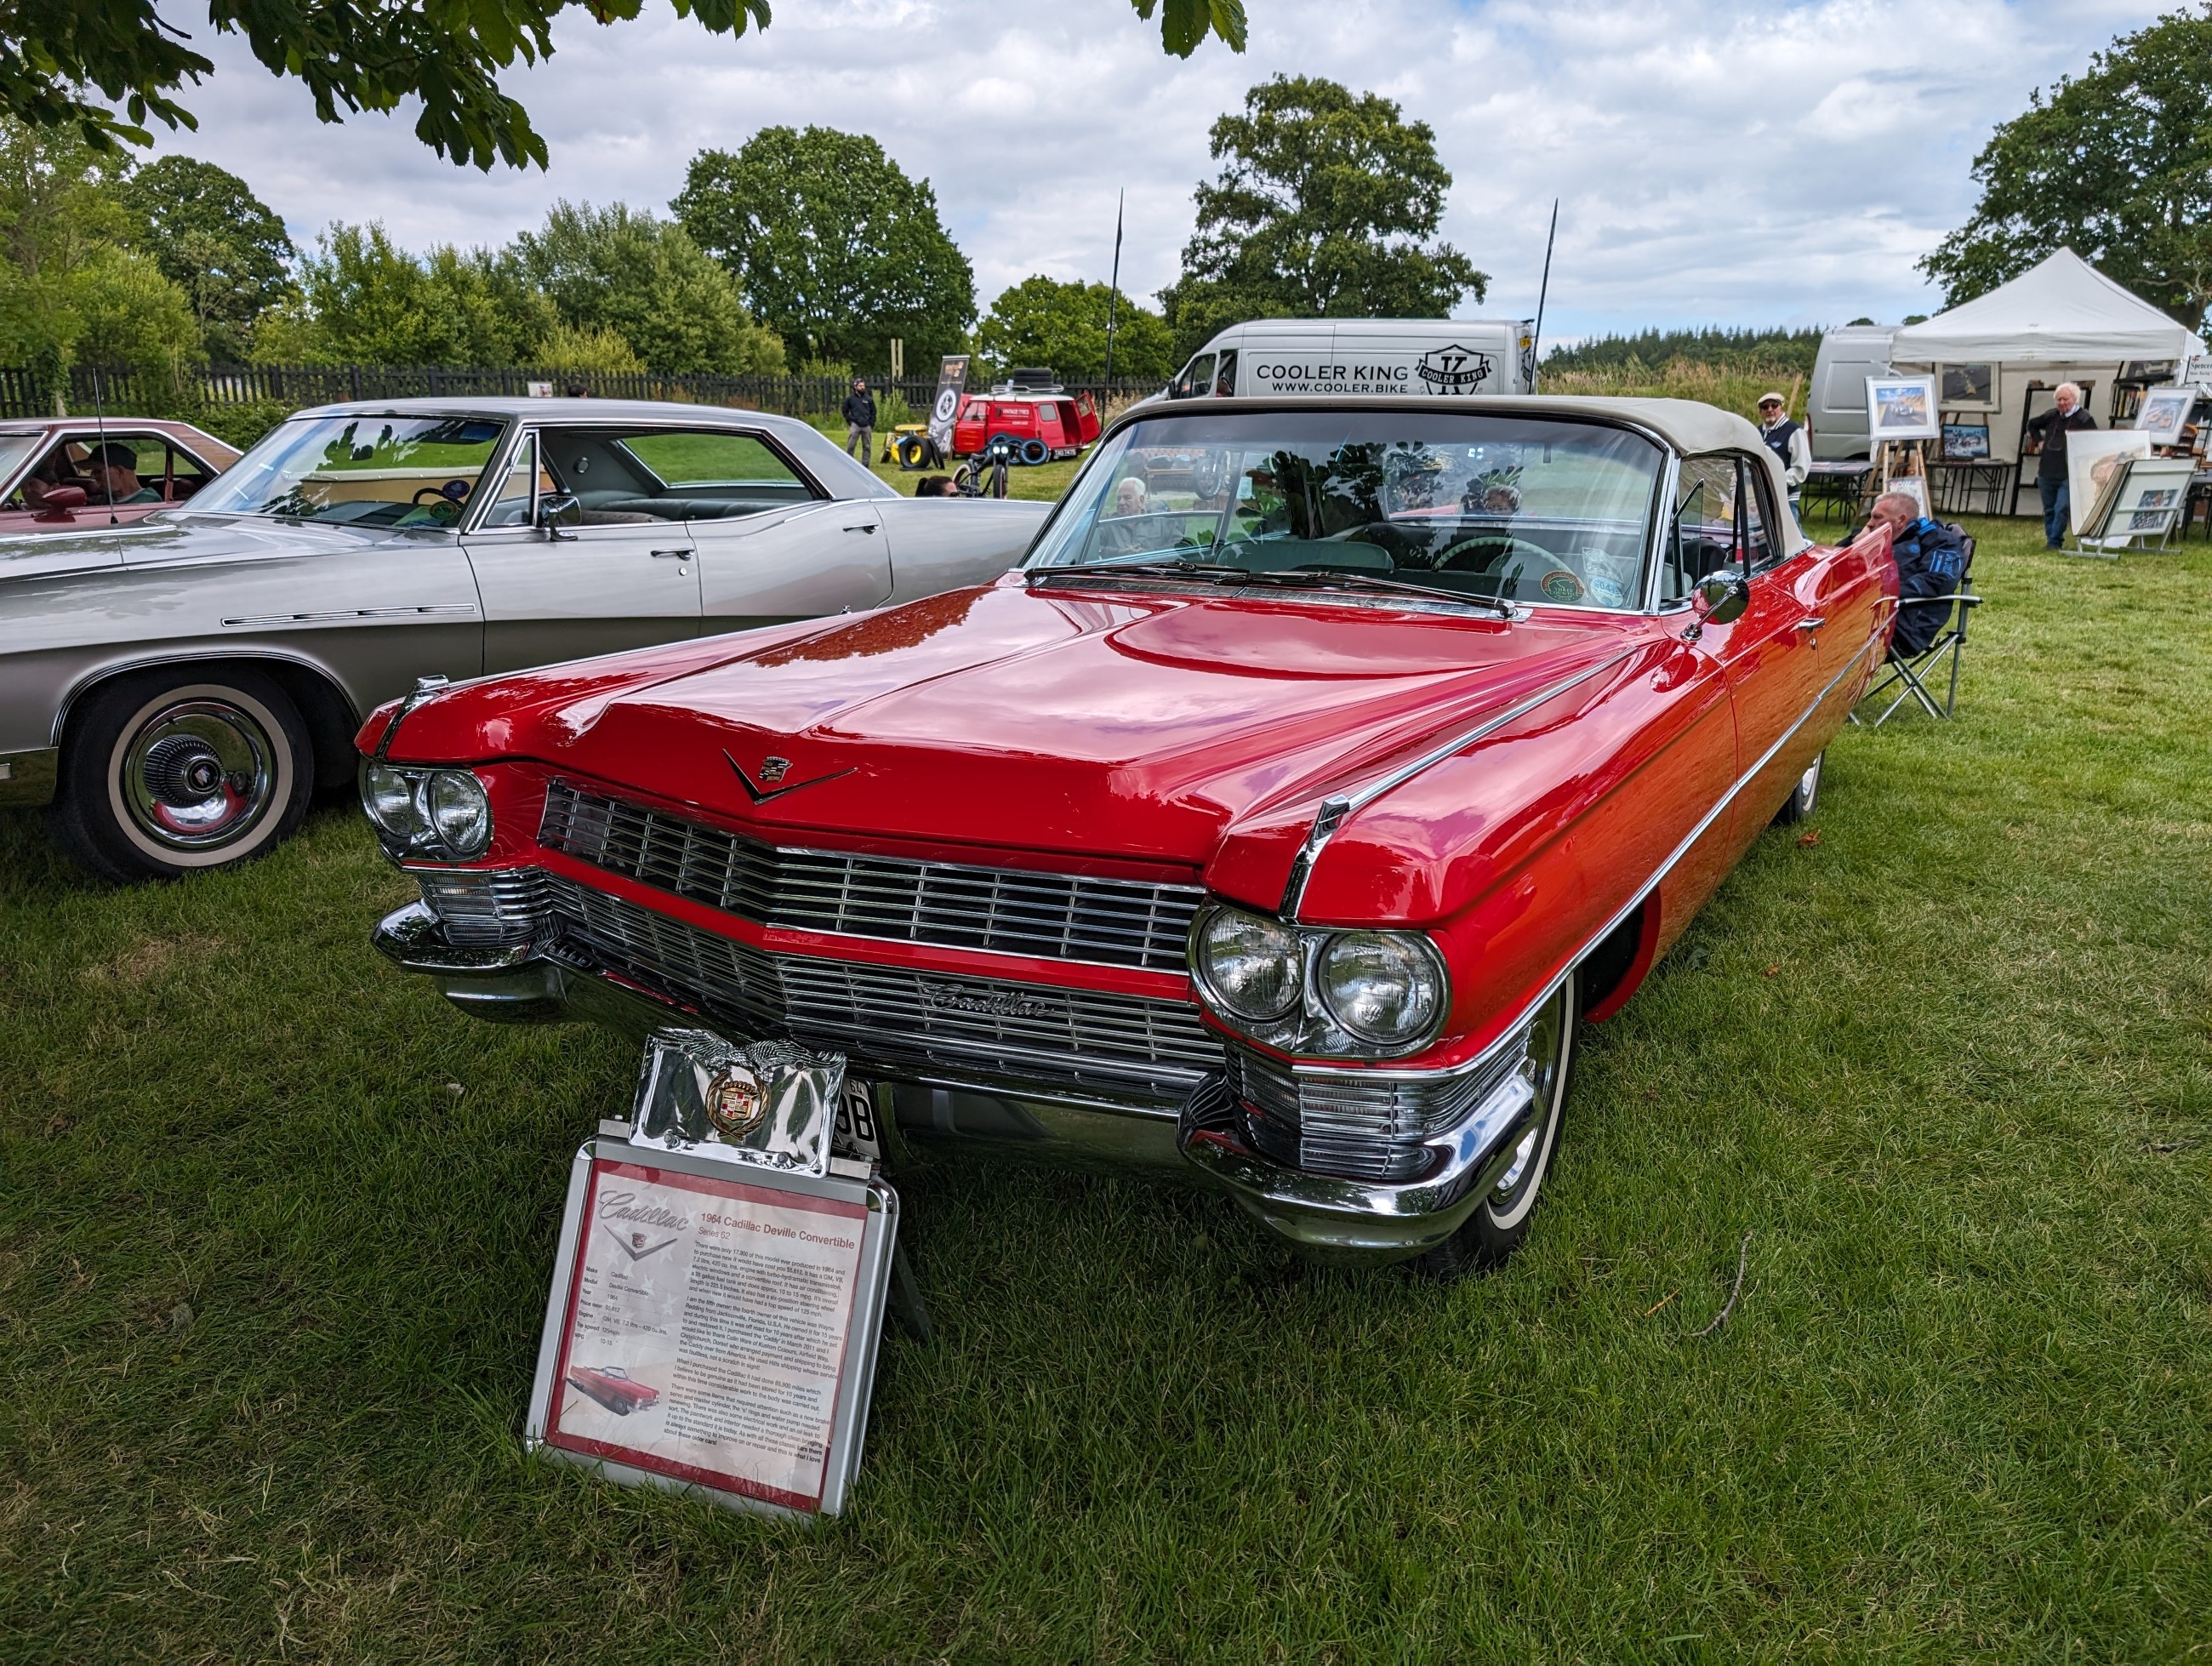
198 775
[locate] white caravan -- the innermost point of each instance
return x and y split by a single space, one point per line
1417 358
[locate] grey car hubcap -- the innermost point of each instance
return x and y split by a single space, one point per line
198 775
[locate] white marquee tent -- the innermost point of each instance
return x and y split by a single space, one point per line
2064 312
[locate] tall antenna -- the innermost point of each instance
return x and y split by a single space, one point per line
1113 294
99 415
1543 293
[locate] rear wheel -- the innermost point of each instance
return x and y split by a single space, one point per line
1803 796
170 772
1500 1221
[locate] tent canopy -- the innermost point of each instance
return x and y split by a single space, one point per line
2063 312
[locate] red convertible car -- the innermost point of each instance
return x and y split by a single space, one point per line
1275 825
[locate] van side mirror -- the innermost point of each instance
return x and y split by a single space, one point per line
558 509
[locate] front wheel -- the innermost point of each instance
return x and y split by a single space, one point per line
1500 1221
1803 796
170 772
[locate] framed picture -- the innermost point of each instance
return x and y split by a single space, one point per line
2088 475
1901 407
2164 413
1966 442
1969 385
2141 498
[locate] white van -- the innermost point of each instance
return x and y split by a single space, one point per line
1419 358
1837 406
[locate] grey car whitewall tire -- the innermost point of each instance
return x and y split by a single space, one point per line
1803 796
164 773
1500 1221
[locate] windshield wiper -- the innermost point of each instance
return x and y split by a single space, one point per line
1155 570
1316 577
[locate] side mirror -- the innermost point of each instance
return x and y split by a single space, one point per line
58 502
558 509
1722 597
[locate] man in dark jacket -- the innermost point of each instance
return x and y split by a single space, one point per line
859 411
1931 561
2047 433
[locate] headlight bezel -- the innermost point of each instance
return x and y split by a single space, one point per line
409 824
1422 961
1311 1025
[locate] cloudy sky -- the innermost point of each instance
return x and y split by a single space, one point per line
1779 162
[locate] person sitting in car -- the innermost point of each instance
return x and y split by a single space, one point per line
114 470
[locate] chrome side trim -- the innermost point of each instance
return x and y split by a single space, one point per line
1335 809
1628 908
344 615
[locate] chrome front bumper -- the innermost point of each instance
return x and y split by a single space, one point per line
1324 1217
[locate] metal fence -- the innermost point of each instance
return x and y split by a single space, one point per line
122 389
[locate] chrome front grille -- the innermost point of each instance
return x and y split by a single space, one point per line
893 1016
1355 1123
1050 916
479 907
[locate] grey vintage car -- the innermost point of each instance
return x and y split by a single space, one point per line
177 689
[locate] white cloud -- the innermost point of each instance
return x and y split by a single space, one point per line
1740 164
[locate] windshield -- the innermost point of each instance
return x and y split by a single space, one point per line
14 450
360 470
1503 507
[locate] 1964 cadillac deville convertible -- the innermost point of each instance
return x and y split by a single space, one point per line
176 689
1276 825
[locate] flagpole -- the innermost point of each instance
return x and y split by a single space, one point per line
1114 294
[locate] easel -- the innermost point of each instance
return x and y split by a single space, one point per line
1897 461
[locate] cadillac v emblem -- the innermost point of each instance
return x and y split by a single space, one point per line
735 1105
638 1245
773 769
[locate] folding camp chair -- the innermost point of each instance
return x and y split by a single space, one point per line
1912 673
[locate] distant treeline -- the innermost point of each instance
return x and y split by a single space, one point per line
1789 351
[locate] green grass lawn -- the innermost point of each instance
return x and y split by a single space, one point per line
275 1228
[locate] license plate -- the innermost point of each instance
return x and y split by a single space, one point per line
857 1133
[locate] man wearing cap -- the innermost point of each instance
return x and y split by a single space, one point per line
2046 434
1786 440
859 411
114 471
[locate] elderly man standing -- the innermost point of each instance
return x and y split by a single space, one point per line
2047 434
859 411
1786 440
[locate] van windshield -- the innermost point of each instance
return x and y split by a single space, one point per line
1505 508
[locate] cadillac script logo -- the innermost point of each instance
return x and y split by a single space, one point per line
735 1104
1453 369
984 1003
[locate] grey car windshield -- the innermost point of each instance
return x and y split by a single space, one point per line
360 470
1506 508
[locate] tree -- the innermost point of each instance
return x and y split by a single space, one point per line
369 301
835 247
2117 165
1042 321
623 270
1323 210
55 54
221 244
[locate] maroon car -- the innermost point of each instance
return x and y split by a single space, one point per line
66 474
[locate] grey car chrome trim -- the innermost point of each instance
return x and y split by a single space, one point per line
217 652
1336 808
343 614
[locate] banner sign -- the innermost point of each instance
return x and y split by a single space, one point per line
714 1325
951 388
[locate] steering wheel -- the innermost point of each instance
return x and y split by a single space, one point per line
1498 547
442 498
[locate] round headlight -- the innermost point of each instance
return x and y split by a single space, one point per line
388 795
460 811
1251 965
1384 987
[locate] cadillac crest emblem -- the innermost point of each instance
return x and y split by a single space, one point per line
735 1104
773 769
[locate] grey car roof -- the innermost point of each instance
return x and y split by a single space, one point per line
822 455
1689 426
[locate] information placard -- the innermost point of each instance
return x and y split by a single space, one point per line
714 1327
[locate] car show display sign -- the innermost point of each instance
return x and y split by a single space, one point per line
944 411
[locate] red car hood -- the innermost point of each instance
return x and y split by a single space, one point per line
1059 721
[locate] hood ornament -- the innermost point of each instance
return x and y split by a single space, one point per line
774 769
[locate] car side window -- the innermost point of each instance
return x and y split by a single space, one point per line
636 476
1705 535
1197 377
510 504
151 469
1765 549
1225 377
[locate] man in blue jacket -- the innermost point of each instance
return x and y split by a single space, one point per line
1931 561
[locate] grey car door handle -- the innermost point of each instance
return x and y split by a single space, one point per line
869 527
671 554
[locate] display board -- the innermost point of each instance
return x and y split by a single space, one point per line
714 1326
945 409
